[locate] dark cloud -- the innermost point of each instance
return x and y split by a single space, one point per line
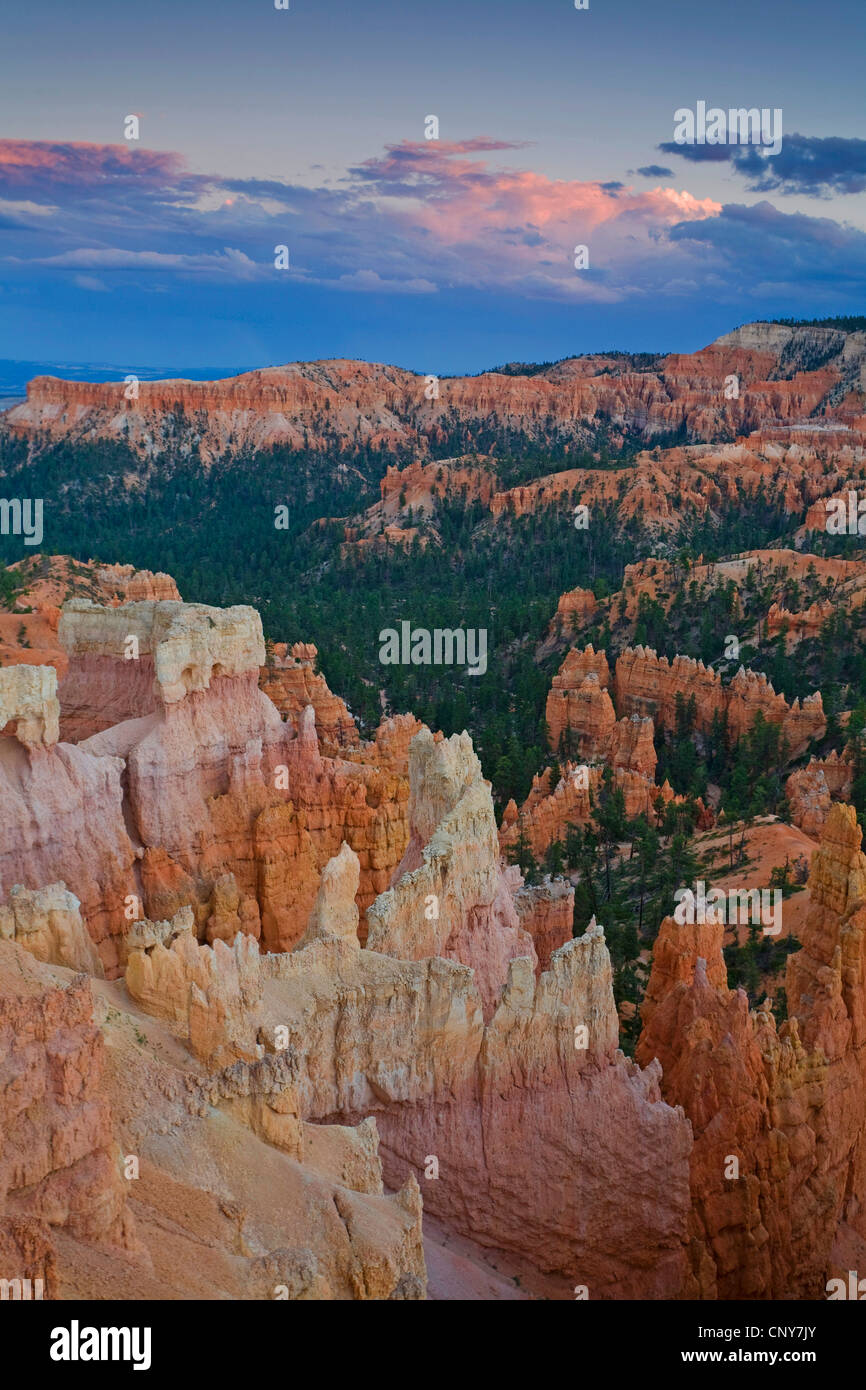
700 154
655 171
761 249
807 164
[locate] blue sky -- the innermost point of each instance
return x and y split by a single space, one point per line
306 128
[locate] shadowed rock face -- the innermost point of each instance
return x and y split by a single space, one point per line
779 1118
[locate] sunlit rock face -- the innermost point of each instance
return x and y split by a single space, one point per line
648 685
48 923
328 403
29 708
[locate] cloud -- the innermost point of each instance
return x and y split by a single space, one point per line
369 282
231 262
489 227
43 170
767 251
90 282
701 154
419 219
655 171
819 167
24 208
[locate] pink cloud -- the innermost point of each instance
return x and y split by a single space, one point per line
456 192
422 216
510 226
42 167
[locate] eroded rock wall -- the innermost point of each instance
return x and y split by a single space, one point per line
779 1116
450 897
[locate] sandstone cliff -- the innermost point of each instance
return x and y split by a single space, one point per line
127 662
290 680
232 810
61 812
665 486
520 1138
29 707
234 1195
48 924
563 710
201 831
334 403
546 912
811 790
553 805
778 1117
790 575
192 791
59 1164
581 717
450 897
648 685
28 633
573 610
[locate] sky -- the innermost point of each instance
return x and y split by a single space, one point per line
306 128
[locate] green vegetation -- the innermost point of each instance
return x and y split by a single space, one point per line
9 587
212 528
848 323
